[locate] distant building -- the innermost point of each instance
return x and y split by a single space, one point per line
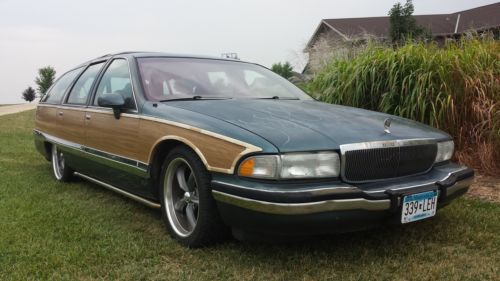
480 19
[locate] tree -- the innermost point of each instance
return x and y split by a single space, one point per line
29 94
403 24
285 70
45 79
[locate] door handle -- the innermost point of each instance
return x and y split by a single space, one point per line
60 113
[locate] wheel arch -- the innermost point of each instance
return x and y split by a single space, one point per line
162 147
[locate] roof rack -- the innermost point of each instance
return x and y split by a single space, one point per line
120 53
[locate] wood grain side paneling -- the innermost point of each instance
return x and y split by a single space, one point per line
218 154
45 119
135 137
111 135
69 125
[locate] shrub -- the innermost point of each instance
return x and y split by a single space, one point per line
455 88
29 94
285 69
45 79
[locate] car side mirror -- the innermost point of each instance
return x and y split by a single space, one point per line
114 101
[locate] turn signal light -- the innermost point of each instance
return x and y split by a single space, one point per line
264 167
246 167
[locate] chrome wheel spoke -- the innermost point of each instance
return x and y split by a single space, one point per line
57 162
181 179
61 161
194 198
180 205
191 183
190 214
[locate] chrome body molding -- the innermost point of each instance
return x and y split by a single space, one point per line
379 144
116 161
384 144
120 191
414 183
56 140
333 189
303 208
116 158
128 113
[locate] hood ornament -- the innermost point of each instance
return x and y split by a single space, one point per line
387 125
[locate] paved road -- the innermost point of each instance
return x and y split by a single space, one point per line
10 109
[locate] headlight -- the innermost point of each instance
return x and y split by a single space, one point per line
292 166
308 165
444 151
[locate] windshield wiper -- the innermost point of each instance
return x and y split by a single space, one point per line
277 98
196 98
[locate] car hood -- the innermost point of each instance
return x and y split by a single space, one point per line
298 125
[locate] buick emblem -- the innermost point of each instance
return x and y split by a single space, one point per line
387 125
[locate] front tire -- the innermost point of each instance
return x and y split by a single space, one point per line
61 171
188 209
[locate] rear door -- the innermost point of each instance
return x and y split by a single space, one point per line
71 115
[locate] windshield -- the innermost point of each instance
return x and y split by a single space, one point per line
184 78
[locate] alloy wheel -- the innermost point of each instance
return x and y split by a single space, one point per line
181 197
58 162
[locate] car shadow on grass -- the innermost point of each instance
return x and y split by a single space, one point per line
380 241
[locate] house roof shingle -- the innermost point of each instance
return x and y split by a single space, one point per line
441 24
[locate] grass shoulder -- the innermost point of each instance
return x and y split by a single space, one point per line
54 231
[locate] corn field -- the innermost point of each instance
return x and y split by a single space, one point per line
455 88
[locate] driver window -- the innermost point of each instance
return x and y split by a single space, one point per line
116 80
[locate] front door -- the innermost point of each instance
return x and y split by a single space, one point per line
113 142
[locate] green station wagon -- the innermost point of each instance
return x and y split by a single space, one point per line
222 145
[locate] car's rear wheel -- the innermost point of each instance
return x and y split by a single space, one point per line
188 209
61 171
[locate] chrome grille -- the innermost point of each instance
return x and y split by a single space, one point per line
376 161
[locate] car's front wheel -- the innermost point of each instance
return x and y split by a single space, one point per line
188 209
61 171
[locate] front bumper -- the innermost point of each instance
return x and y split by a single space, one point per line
328 206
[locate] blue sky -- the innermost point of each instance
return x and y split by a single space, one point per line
63 34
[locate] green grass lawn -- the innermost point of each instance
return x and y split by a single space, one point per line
54 231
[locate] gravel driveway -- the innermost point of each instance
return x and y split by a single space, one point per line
10 109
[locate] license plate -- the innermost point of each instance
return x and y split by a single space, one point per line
419 206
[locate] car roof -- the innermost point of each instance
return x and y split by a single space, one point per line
138 54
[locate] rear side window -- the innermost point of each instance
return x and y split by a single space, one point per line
83 85
116 79
56 92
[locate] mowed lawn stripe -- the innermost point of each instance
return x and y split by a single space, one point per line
79 231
